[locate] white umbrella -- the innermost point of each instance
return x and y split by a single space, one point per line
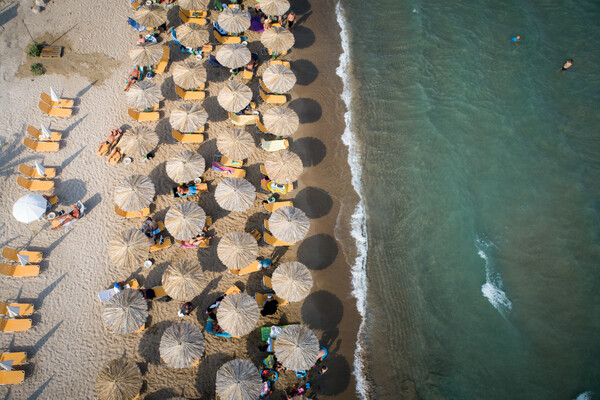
29 208
40 169
13 311
7 365
46 134
24 260
54 96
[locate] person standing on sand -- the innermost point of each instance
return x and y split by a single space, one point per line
291 18
567 65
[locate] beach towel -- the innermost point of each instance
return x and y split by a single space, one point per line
256 25
135 25
221 168
209 329
150 39
219 29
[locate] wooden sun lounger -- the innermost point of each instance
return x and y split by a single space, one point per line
54 111
232 172
32 172
12 377
132 214
266 282
274 145
226 39
19 270
164 61
63 103
194 13
270 207
40 146
187 137
260 298
159 292
37 135
24 308
12 255
280 62
15 325
18 358
188 20
143 116
34 185
273 241
272 98
190 94
254 267
267 187
242 119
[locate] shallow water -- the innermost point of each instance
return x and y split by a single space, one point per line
481 165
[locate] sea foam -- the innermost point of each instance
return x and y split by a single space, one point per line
493 287
585 396
358 219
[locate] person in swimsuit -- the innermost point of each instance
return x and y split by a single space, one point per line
73 215
186 190
567 65
515 39
134 76
291 18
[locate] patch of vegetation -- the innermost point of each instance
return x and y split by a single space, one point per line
34 50
37 69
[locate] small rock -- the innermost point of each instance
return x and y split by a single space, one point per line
40 3
36 9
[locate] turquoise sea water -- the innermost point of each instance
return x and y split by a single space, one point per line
481 171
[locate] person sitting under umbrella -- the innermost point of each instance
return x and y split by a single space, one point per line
269 306
134 76
185 309
72 216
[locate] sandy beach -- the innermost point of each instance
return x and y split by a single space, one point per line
68 343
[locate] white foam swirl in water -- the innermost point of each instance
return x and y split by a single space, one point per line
585 396
492 289
358 220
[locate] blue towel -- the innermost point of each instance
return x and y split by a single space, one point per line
135 25
212 60
219 29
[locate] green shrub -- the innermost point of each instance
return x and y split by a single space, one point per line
34 50
36 69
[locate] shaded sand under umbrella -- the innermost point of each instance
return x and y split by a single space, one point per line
188 117
279 78
192 35
144 95
234 96
193 4
235 194
134 193
146 54
238 380
125 312
236 143
237 250
138 141
151 16
277 39
181 345
296 347
183 280
283 167
234 20
289 224
238 314
234 55
274 7
292 281
128 249
189 74
185 220
185 166
120 379
281 121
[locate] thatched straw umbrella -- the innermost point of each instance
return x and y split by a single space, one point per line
289 224
234 20
283 167
238 314
235 143
292 281
181 345
234 96
279 78
139 141
146 54
234 55
188 117
193 4
235 194
125 312
297 347
189 74
277 39
185 220
281 121
185 166
144 95
128 249
237 250
238 380
134 193
192 35
274 7
152 16
183 280
121 379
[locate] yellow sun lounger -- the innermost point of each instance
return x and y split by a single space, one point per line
224 39
233 290
33 173
247 75
17 358
260 125
162 64
54 111
273 241
280 62
188 20
194 13
63 103
190 94
254 267
260 299
24 308
166 242
187 137
11 377
132 214
274 145
40 146
143 116
267 186
12 255
228 171
241 120
19 270
270 207
34 185
159 292
37 135
266 282
15 325
272 98
266 224
228 162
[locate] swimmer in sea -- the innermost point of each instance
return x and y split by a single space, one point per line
515 39
567 65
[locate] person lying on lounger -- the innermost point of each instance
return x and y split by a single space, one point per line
72 216
134 76
115 155
114 137
186 190
198 241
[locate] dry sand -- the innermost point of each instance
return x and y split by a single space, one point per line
68 343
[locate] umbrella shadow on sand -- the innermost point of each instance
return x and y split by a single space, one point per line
168 89
308 110
306 72
311 150
304 36
315 202
322 310
150 342
71 191
318 251
161 394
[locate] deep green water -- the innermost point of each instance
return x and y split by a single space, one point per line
481 171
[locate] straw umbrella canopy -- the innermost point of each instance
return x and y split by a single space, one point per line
128 249
185 166
296 347
189 74
236 143
281 121
192 35
283 166
134 193
238 314
181 345
277 39
234 96
185 220
144 95
234 20
237 250
125 312
183 280
238 380
151 16
235 194
292 281
138 141
274 7
234 55
193 4
289 224
121 379
188 117
146 54
279 78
